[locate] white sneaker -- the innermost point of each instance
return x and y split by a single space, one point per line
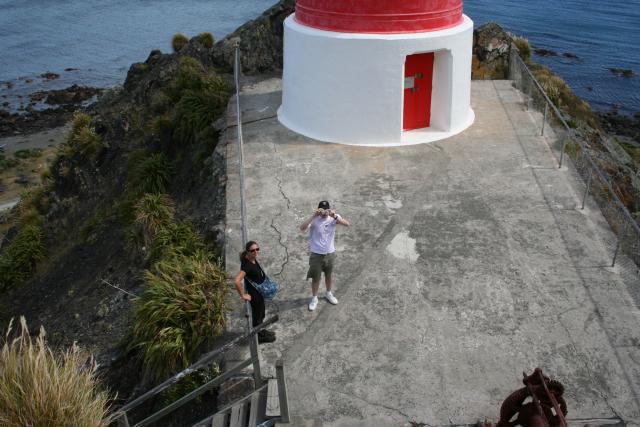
313 303
329 296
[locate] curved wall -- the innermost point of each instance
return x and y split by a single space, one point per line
379 16
349 88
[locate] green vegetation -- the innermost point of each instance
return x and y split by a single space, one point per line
18 260
153 213
206 39
178 42
41 388
6 164
181 308
189 383
201 98
28 153
176 239
563 97
82 139
524 48
152 174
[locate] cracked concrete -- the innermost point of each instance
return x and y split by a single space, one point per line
468 261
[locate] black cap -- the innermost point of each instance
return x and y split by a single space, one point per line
324 205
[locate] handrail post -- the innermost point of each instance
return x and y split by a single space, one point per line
586 191
282 392
544 117
615 254
564 147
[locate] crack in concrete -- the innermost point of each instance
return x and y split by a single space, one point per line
380 405
279 181
286 250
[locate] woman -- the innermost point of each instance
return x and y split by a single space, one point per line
250 269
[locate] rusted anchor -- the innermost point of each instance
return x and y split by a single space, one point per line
546 408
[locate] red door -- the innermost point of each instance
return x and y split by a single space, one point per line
418 75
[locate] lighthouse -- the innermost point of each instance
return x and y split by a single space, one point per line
377 72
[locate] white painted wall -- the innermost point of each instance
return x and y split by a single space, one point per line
349 88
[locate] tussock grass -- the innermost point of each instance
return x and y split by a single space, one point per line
19 258
28 153
41 388
206 39
178 42
18 261
82 139
562 96
181 308
197 110
151 174
7 163
153 213
524 48
175 240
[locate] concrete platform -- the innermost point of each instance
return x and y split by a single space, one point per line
468 262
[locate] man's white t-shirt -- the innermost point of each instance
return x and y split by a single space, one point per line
322 232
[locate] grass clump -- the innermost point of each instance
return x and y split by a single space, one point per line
523 46
41 388
28 153
153 213
7 163
82 139
150 174
206 39
178 42
18 261
176 239
181 308
19 258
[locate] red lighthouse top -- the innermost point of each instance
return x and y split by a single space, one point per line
379 16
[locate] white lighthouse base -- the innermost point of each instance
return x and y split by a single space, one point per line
348 88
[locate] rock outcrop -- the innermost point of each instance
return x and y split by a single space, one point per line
261 42
491 49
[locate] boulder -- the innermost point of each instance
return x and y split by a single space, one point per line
260 42
491 50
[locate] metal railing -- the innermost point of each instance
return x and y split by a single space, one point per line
565 142
232 350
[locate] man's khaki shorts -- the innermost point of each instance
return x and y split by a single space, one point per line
319 264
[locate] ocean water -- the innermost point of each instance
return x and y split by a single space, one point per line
93 42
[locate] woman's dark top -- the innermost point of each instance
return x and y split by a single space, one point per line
252 271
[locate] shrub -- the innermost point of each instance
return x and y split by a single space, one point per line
19 259
197 110
175 240
28 153
181 308
41 388
524 48
153 213
178 42
82 139
150 175
206 39
160 102
6 164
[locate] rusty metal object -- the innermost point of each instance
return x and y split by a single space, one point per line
546 408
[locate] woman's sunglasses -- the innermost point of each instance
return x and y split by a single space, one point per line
254 250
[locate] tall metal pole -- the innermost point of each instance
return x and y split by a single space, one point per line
253 339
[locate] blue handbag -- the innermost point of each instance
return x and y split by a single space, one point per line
268 288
